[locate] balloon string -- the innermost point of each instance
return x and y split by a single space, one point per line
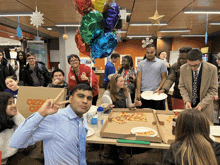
156 4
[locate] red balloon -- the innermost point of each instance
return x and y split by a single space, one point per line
81 45
83 6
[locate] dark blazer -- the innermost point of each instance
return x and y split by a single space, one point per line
169 155
173 77
208 88
41 72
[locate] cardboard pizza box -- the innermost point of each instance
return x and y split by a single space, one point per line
30 99
112 129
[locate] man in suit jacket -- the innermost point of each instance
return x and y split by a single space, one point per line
198 84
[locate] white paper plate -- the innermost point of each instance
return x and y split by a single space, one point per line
90 132
143 129
215 130
148 95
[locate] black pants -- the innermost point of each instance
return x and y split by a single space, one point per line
94 100
157 105
105 84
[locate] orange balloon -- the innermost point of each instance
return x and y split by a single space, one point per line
81 45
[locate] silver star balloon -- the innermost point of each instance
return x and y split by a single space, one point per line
37 18
146 42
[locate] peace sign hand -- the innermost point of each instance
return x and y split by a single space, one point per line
51 106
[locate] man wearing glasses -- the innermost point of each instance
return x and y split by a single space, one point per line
35 73
198 84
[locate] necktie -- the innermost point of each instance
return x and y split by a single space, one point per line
82 142
194 92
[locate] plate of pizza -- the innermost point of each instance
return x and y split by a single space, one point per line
144 131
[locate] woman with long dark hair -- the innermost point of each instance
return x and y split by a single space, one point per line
193 145
18 65
10 119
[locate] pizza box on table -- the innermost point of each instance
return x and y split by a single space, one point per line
166 129
112 129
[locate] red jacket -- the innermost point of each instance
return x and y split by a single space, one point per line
87 70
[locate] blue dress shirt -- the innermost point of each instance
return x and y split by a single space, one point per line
63 135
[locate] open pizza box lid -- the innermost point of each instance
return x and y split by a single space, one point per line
112 129
166 129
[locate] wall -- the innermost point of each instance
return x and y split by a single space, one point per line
53 44
164 44
194 42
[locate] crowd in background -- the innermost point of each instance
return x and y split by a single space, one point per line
196 85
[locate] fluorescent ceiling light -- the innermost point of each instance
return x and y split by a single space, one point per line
201 11
122 31
67 24
214 23
158 37
138 36
49 28
175 30
6 14
147 24
193 35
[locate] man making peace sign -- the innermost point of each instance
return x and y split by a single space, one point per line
63 131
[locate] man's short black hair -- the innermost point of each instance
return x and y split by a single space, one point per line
150 46
57 70
73 55
1 52
185 49
115 55
30 54
83 86
194 55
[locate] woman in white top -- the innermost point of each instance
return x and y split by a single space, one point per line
10 119
117 94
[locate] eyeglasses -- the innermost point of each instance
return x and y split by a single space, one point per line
20 55
195 66
74 60
29 59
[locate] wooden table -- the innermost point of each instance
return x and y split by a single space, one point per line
95 138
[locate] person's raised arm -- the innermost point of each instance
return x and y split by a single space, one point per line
37 127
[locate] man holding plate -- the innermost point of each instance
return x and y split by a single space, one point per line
151 75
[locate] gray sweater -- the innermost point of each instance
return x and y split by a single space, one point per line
5 137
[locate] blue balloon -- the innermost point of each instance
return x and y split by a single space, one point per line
103 45
111 17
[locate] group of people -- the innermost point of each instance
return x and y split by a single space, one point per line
63 131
